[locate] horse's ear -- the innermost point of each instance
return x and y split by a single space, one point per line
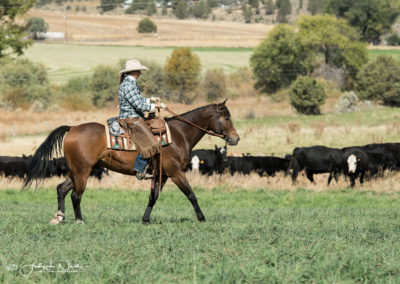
223 103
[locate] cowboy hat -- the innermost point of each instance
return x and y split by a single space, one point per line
133 65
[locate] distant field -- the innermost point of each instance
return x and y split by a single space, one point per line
260 236
64 61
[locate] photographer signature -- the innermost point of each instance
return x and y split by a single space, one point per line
61 267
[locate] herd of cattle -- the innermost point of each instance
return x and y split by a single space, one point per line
370 160
17 167
356 161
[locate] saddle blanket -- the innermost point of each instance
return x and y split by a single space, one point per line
123 142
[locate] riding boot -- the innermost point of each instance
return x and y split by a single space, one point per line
140 167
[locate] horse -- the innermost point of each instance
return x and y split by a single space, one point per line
85 147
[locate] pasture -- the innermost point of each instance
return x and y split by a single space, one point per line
64 61
262 236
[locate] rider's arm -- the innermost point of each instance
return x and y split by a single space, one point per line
134 97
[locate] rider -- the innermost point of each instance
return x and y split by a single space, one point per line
131 110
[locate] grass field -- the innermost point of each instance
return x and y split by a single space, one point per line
261 236
64 61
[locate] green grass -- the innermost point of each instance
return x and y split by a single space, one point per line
64 61
260 236
395 53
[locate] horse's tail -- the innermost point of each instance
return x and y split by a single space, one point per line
41 160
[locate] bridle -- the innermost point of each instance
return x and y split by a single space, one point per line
223 135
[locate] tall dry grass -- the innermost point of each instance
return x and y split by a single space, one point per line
22 132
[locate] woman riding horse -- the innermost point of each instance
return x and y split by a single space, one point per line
85 147
131 110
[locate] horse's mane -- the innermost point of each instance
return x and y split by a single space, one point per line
190 112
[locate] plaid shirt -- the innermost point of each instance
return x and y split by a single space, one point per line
131 102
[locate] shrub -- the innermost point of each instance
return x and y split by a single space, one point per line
23 82
76 85
347 103
380 81
146 26
214 84
104 85
151 81
307 95
393 40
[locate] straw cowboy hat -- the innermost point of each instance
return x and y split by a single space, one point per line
133 65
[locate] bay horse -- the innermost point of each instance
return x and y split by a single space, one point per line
85 148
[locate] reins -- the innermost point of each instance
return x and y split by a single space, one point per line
191 123
188 122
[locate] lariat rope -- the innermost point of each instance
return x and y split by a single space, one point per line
191 123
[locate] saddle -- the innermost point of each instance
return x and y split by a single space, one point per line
118 136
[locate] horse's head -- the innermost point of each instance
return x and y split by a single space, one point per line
221 123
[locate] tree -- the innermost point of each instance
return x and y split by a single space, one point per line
146 26
333 42
181 73
151 9
371 17
277 60
181 10
247 13
108 5
380 81
288 52
316 6
12 32
307 95
214 84
284 9
269 7
200 10
35 26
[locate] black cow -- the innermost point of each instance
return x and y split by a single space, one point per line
207 161
354 164
316 160
392 148
18 167
263 166
380 159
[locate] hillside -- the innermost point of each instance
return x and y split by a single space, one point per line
120 29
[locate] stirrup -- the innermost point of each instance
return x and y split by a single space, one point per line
141 176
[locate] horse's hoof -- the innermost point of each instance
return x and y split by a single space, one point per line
146 221
58 218
202 219
79 222
54 221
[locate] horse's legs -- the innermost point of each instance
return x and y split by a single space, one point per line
153 197
62 190
181 181
80 181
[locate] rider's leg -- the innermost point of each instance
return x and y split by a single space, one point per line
140 167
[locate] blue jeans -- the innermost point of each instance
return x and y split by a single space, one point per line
140 164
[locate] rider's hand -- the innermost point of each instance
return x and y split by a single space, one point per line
154 99
160 105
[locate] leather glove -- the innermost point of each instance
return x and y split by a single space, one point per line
162 105
154 99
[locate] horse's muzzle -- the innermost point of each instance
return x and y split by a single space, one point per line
232 141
